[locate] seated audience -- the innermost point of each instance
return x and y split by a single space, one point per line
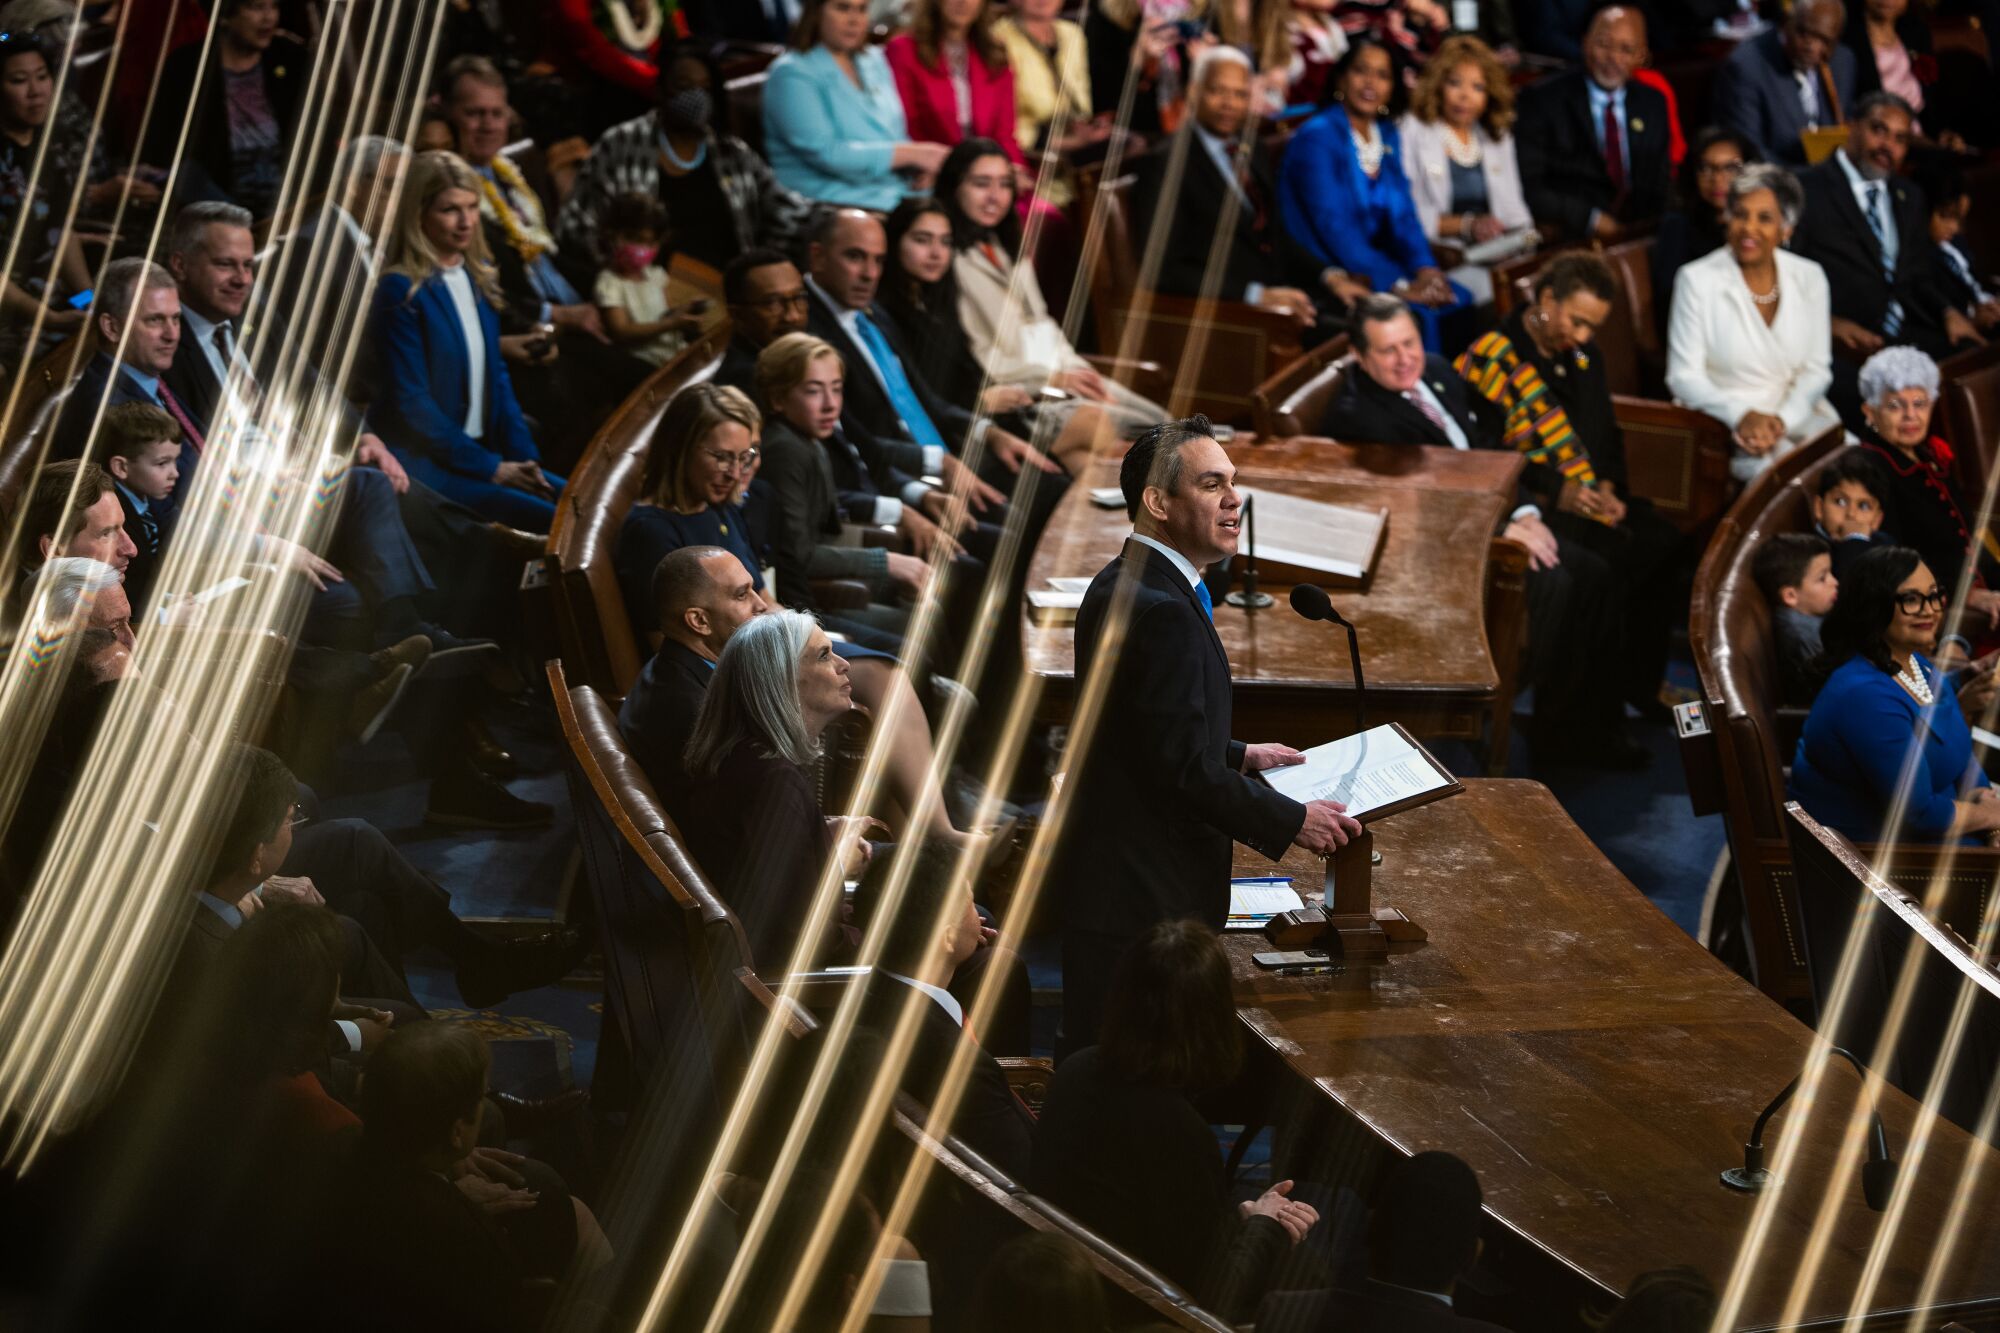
1537 367
1123 1147
1921 505
1343 194
1665 1300
751 814
78 592
1884 704
127 368
1043 1280
954 79
36 183
834 128
1423 1238
767 298
920 293
1794 571
1051 80
1594 144
1415 28
1459 155
1868 229
449 414
349 232
721 198
108 185
1396 394
1746 342
1795 77
1964 285
1006 319
1698 224
1224 176
633 293
1849 505
926 933
1893 51
250 90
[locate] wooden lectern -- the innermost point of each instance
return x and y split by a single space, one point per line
1346 922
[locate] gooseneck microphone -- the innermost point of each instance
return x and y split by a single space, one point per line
1310 600
1878 1173
1248 597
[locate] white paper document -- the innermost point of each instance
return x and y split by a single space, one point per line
1986 738
1254 901
1107 497
1078 584
1367 772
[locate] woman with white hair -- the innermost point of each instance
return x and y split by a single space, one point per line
1924 509
79 592
751 814
1748 341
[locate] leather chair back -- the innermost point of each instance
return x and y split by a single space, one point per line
744 97
1969 418
1114 268
598 644
1294 401
31 417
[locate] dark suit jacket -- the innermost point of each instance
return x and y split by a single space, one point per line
810 505
1159 797
867 412
1257 253
341 272
1365 411
658 716
1756 95
1834 233
989 1118
145 565
86 395
1366 1307
1562 169
739 367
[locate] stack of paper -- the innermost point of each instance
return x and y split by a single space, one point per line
1311 541
1379 769
1256 899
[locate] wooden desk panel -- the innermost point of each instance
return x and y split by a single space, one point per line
1593 1063
1421 619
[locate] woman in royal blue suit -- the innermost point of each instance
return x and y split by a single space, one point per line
1881 699
1343 194
444 403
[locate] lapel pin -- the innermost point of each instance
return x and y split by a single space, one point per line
1638 125
1437 386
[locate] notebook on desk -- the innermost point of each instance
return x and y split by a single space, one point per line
1310 541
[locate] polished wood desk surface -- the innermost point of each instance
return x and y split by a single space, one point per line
1421 619
1594 1064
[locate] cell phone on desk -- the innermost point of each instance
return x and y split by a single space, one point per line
1290 958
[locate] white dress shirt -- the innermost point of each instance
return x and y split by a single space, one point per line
944 998
1452 430
1864 189
459 283
1180 562
202 331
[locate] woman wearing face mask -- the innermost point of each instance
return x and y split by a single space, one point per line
722 197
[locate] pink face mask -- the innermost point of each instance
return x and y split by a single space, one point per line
634 258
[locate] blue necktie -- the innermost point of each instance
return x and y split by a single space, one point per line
1207 602
1892 318
901 396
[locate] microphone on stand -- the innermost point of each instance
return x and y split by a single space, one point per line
1310 601
1249 598
1878 1173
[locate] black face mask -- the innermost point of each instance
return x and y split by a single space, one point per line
690 110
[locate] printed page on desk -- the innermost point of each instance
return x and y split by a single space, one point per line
1367 772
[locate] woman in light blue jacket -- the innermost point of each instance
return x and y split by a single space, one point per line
833 120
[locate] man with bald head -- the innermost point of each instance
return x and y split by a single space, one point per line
1593 141
1795 77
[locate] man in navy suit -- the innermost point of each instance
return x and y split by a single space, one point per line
1795 76
1159 790
1593 142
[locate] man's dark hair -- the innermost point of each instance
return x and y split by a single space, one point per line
1940 180
422 1080
259 792
1782 561
736 277
827 218
1375 308
1666 1300
1877 100
935 883
679 581
1425 1230
50 511
130 429
1155 459
690 49
274 983
1170 1019
1856 465
1043 1281
1576 272
1858 625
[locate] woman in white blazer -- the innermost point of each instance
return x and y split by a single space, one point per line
1748 342
1459 155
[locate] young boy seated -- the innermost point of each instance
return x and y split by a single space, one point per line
1794 571
140 446
1847 510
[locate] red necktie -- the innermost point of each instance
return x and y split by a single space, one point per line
178 413
1423 404
1614 153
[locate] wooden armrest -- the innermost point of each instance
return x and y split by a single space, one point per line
1028 1077
840 594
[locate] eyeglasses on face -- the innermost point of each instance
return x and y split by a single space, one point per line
729 462
1910 601
777 301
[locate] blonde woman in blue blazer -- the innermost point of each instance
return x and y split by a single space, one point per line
833 120
444 403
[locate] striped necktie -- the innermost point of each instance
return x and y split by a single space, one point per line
191 436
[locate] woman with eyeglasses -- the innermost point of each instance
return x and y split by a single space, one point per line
1884 702
1698 224
1923 507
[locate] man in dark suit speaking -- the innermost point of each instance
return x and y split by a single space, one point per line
1159 790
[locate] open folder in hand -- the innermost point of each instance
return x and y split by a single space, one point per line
1380 772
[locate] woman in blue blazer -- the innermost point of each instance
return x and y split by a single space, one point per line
1883 699
833 121
1344 196
444 404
